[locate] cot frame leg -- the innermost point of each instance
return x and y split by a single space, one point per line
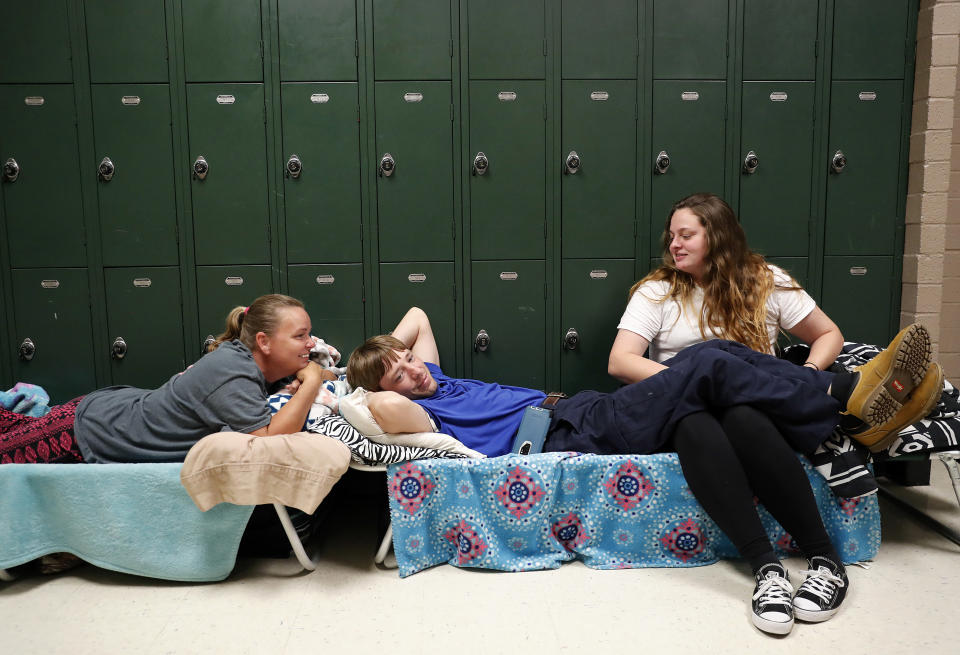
294 538
6 577
949 459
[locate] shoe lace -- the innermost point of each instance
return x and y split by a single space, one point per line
774 589
821 583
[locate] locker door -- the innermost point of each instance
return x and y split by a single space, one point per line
321 144
593 298
599 38
412 40
690 39
134 150
333 295
428 285
221 288
599 194
795 266
144 325
779 40
127 42
318 40
864 165
230 212
51 315
776 164
509 310
859 296
41 176
36 42
688 128
869 39
507 201
415 201
221 41
507 39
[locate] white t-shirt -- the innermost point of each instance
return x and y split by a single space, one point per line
670 328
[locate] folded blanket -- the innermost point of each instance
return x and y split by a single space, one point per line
132 518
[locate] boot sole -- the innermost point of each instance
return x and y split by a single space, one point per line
911 361
894 432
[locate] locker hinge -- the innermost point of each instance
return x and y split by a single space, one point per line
636 111
544 111
269 236
451 111
454 287
636 48
545 291
816 48
363 292
544 229
356 49
453 230
727 50
451 47
261 50
544 47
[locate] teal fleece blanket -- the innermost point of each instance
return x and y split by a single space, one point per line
132 518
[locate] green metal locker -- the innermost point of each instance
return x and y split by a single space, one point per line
144 336
430 286
870 39
333 295
126 41
863 201
52 332
229 173
776 166
222 41
599 39
321 151
598 168
508 180
508 323
134 164
507 39
221 288
593 297
779 39
415 171
690 39
859 296
41 176
412 40
688 150
318 40
36 42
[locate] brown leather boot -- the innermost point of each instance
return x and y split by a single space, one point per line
923 399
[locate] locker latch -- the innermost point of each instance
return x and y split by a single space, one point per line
750 163
200 168
571 339
27 349
387 165
207 343
838 162
11 170
480 164
119 348
573 163
106 169
294 166
482 342
662 163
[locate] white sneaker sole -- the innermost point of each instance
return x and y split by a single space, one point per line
813 616
771 627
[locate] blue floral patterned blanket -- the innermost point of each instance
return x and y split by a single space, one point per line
522 513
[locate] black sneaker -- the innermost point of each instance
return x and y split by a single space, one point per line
820 595
772 610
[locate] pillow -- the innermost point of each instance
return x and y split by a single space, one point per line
354 409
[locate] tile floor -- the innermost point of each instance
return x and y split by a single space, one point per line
905 602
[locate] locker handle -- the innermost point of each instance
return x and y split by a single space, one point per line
480 164
838 162
751 163
200 168
294 166
119 348
106 169
387 165
662 163
572 163
571 339
27 349
482 342
11 170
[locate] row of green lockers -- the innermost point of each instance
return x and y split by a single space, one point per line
505 164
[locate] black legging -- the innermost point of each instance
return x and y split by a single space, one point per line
729 458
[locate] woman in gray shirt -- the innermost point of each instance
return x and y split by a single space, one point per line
227 389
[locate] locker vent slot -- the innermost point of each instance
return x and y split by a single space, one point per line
233 281
690 95
325 279
868 95
413 97
319 98
226 100
600 95
508 276
778 96
142 282
34 101
130 100
598 274
417 277
507 96
49 284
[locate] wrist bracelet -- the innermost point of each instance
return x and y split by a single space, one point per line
811 364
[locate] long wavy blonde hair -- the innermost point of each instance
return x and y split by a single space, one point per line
736 284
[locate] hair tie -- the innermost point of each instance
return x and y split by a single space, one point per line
245 310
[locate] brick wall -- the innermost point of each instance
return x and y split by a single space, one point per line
931 258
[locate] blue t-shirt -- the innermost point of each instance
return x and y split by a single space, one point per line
484 416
